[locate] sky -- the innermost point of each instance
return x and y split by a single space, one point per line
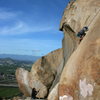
30 27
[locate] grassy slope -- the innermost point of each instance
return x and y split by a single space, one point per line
8 91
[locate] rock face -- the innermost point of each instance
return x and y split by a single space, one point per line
54 93
41 76
44 71
80 79
77 15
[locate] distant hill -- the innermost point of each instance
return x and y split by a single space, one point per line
10 61
20 57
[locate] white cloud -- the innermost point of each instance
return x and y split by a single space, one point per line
19 25
4 14
21 28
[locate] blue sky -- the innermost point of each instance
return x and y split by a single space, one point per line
30 27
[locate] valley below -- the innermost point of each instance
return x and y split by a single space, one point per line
8 84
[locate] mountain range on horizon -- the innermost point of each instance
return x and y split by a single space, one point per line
20 57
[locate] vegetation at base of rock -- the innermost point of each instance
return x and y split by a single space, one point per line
8 67
8 83
9 92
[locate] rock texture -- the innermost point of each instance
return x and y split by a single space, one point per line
44 71
54 93
22 77
77 15
41 76
80 79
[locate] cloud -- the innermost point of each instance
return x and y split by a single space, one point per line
10 29
17 25
4 14
21 28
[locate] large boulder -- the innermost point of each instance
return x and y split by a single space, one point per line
22 77
41 76
44 71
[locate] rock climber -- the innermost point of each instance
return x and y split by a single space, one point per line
82 33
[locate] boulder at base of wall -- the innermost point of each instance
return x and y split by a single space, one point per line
44 71
41 76
22 77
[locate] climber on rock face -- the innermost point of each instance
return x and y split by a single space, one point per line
82 33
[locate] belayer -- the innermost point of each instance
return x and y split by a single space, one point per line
34 93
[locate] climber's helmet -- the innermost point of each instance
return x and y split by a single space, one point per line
85 28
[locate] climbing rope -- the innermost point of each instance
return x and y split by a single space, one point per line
82 33
93 18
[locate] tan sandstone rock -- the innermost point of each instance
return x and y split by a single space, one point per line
54 93
22 77
77 15
44 71
80 79
42 74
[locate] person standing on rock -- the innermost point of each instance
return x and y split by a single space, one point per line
34 93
